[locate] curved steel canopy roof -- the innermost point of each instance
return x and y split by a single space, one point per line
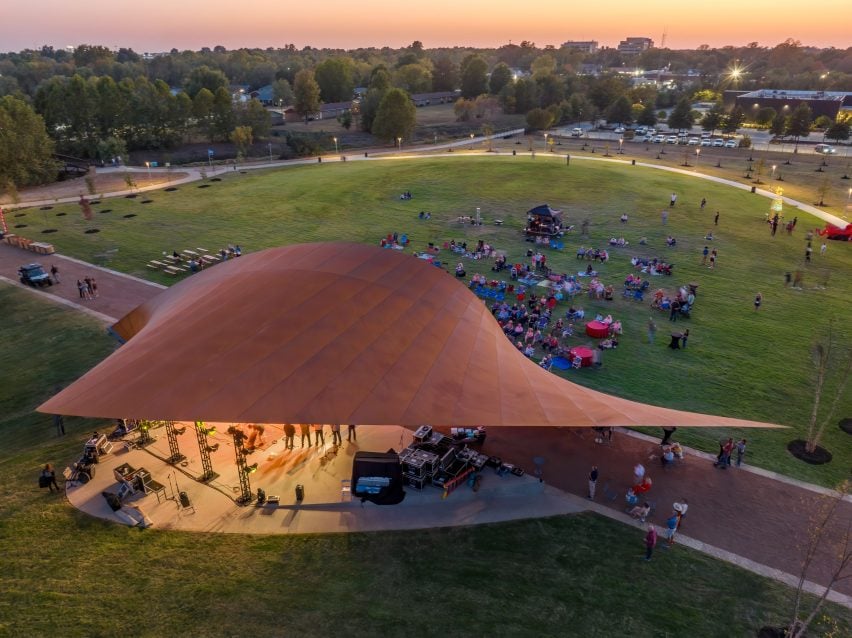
336 333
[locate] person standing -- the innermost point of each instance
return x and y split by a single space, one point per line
54 271
59 423
350 433
808 252
681 508
712 265
703 202
318 434
93 287
83 289
650 541
704 254
758 299
289 435
336 439
683 338
716 219
673 200
48 478
305 429
741 450
822 249
638 473
667 434
652 330
671 529
593 482
724 459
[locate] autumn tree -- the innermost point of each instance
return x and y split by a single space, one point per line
799 123
203 77
242 138
501 75
395 117
307 94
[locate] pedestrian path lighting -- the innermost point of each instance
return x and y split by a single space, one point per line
335 145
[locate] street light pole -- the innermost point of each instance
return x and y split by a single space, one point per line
399 143
620 145
545 142
772 174
336 150
148 166
697 155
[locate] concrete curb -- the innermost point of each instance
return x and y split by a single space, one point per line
112 272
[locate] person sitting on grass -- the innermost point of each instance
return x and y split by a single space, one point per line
460 270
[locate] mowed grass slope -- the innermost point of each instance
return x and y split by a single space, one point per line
65 574
738 362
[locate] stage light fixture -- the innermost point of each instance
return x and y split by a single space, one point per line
179 431
213 448
250 469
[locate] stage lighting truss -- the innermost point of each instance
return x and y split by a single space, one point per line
201 434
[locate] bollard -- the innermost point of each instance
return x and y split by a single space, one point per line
319 160
366 155
633 162
514 152
754 189
567 160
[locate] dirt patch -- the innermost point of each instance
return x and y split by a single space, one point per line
92 231
46 208
846 425
129 215
215 179
204 186
61 214
146 201
47 231
105 210
20 214
131 196
819 456
20 225
170 189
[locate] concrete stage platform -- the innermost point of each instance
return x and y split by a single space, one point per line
326 508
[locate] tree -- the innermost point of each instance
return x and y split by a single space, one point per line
26 151
526 95
778 126
822 122
501 75
282 92
203 77
824 354
539 119
713 118
256 117
733 120
395 117
620 111
414 78
242 138
681 116
474 78
799 123
648 117
543 65
335 79
307 94
445 75
765 116
551 89
379 86
222 114
838 131
463 109
110 148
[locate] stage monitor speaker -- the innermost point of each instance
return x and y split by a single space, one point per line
184 500
300 493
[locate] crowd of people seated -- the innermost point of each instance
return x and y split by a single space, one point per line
406 195
395 240
424 215
618 241
681 302
653 266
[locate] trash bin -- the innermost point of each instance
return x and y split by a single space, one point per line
633 162
754 189
184 500
300 493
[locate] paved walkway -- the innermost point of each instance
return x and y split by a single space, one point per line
742 516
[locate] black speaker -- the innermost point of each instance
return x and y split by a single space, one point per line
300 493
184 500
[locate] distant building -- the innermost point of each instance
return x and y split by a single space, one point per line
586 46
265 95
632 46
591 69
828 103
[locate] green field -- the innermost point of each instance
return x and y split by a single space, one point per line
65 574
738 363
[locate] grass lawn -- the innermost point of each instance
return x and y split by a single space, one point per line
65 574
739 362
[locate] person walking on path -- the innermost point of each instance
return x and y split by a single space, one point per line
716 219
350 433
593 482
741 450
638 473
680 508
305 430
93 287
667 434
650 541
48 478
336 438
683 339
757 301
54 271
652 330
318 434
289 435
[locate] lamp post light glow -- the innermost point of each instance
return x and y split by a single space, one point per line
772 175
335 145
545 141
148 166
697 155
398 143
620 144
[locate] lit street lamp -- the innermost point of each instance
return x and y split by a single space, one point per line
620 144
398 143
697 155
772 174
335 145
148 166
545 141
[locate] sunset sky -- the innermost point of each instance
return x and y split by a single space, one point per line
159 25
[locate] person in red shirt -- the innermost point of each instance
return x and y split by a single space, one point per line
650 541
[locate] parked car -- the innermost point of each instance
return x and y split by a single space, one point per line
659 139
732 144
671 139
718 141
706 142
825 149
706 136
648 138
34 275
641 130
694 141
619 130
577 132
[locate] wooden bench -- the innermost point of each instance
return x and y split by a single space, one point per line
152 265
210 259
